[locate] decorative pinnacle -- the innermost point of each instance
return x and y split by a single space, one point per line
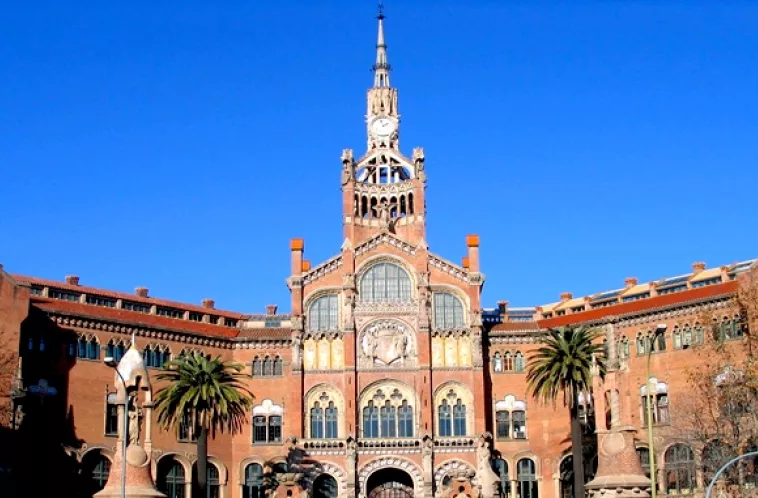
381 67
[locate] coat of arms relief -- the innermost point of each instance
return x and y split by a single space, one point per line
387 343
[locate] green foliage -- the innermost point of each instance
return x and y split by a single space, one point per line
564 364
207 391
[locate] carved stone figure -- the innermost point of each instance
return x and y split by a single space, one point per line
418 161
337 353
485 476
438 359
134 422
451 353
385 215
324 354
310 354
476 350
464 351
296 350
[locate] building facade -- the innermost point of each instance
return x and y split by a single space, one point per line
387 377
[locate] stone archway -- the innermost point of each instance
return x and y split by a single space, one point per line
389 482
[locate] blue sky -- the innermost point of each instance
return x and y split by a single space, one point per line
179 146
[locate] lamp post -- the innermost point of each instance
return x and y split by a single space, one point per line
111 362
660 329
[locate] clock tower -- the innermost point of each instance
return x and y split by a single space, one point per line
383 190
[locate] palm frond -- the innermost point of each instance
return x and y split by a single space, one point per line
563 365
209 392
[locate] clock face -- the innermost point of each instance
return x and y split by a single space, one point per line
383 127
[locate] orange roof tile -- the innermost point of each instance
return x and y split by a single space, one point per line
133 318
642 305
123 295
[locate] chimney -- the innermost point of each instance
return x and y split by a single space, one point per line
502 307
565 296
297 246
271 309
472 242
141 291
724 273
698 267
72 280
209 303
306 265
465 262
630 282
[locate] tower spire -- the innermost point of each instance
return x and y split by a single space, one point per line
381 66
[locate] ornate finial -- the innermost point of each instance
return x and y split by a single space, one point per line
381 10
133 346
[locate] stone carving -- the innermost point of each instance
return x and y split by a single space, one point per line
476 349
385 215
438 359
348 305
310 355
297 322
451 351
296 347
418 161
464 351
135 417
348 166
387 343
324 354
486 477
337 353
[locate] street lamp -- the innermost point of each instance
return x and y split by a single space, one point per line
660 329
111 362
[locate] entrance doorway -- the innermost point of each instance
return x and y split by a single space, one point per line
389 483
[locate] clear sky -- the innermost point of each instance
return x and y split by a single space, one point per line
180 145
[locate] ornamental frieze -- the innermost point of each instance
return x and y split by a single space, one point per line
406 307
384 238
449 268
323 269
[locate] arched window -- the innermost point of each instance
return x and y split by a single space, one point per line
371 421
508 362
679 468
95 469
623 348
323 313
93 349
518 362
659 402
527 479
445 419
171 478
325 486
715 455
405 420
277 366
644 455
257 367
500 467
448 311
317 421
212 482
385 282
268 366
253 487
388 417
459 418
330 421
81 350
497 363
510 418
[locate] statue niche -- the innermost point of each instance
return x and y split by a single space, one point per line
387 343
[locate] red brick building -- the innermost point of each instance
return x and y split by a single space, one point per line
387 372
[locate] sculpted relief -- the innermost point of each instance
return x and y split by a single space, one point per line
451 351
387 343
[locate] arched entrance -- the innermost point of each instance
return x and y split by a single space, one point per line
389 483
325 486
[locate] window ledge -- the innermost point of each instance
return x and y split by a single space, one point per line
115 434
267 444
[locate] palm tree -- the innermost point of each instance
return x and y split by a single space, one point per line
564 363
206 394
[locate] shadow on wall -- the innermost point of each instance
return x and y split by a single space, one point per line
34 455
